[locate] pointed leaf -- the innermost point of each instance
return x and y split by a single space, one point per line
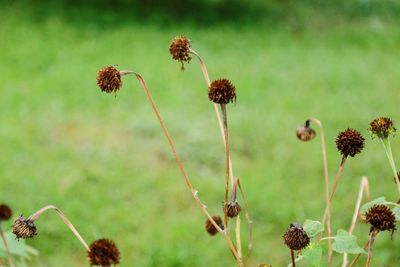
313 228
346 243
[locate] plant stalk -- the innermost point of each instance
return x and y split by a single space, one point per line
64 218
293 260
364 188
388 150
225 120
370 244
7 248
182 169
327 198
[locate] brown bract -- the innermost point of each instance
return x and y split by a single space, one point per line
350 142
232 209
210 228
24 228
109 79
180 49
381 218
5 212
222 91
382 127
305 133
103 252
296 238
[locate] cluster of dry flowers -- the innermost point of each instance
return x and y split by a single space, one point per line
221 92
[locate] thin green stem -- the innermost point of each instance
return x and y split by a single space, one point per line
388 150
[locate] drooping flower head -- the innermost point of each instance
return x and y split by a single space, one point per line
382 127
350 142
305 132
210 228
180 49
24 228
296 238
109 79
103 252
222 91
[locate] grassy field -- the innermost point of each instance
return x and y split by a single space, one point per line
104 161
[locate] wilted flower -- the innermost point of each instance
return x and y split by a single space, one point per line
296 238
305 132
5 212
232 209
222 91
350 142
24 228
109 79
381 218
180 49
103 252
382 127
210 228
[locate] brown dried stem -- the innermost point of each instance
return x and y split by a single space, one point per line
364 188
327 198
293 260
7 248
225 120
181 167
370 244
64 218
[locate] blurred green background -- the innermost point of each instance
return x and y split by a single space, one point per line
104 161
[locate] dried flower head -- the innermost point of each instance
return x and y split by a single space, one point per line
109 79
210 228
180 49
296 238
103 252
5 212
381 218
232 209
222 91
305 133
24 228
350 142
382 127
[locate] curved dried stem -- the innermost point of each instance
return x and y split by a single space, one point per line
181 167
327 199
364 188
248 218
64 218
10 258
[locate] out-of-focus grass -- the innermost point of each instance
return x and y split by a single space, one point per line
105 163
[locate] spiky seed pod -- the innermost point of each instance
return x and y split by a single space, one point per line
232 209
296 238
180 50
350 142
222 91
305 133
24 228
103 252
382 127
210 228
5 212
109 79
381 218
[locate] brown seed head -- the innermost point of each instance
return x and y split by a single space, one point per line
5 212
24 228
222 91
103 252
350 142
305 133
210 228
381 218
382 127
296 238
109 79
232 209
180 49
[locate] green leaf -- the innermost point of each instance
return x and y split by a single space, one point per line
368 205
313 228
313 255
346 243
396 211
18 248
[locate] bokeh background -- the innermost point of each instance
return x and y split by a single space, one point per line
104 161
